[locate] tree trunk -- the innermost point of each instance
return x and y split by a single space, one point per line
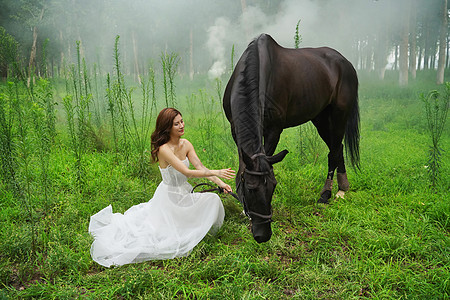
403 53
32 55
135 53
403 60
413 41
191 55
442 44
395 65
419 59
61 65
447 56
381 55
33 49
426 46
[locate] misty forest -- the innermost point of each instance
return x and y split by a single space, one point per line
81 84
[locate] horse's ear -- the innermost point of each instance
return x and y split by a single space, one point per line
277 157
247 160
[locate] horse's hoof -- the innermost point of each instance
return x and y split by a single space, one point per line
340 194
325 197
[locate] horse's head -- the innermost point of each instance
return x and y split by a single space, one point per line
255 186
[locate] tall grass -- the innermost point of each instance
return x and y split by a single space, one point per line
208 123
6 135
119 97
436 109
232 56
169 64
76 105
131 130
27 131
44 122
297 36
112 112
97 97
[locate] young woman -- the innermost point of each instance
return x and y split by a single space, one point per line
174 221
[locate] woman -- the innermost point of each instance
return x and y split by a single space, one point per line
174 221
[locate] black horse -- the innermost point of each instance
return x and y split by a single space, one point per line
273 88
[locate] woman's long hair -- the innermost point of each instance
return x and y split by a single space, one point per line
161 135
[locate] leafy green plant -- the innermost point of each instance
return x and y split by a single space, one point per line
97 96
44 121
76 105
9 60
140 135
44 72
310 145
297 36
23 152
112 111
207 123
436 110
169 64
6 136
120 95
232 59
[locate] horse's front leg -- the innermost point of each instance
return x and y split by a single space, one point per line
271 139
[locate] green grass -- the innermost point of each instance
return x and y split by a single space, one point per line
388 239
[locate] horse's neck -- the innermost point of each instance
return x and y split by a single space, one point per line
249 130
248 109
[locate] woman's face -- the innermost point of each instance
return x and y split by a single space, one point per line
177 127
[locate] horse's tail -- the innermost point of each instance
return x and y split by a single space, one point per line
352 134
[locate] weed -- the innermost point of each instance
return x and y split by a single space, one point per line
7 155
169 64
119 94
297 36
77 114
232 56
436 109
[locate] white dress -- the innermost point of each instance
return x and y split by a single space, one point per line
170 225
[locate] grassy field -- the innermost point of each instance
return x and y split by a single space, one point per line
388 239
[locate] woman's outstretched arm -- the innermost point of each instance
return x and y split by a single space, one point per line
166 154
193 158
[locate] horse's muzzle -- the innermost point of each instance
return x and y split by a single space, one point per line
262 233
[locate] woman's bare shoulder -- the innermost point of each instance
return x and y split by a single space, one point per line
186 142
163 151
164 147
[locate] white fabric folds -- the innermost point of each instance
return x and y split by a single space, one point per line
170 225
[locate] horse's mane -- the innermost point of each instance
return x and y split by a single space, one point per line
248 108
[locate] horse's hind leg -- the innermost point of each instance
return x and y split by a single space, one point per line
332 134
342 180
335 161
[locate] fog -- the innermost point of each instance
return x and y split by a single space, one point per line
213 27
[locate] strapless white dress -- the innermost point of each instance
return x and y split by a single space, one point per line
170 225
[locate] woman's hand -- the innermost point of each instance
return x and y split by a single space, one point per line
226 173
226 188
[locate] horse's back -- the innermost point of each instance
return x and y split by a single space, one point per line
302 80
